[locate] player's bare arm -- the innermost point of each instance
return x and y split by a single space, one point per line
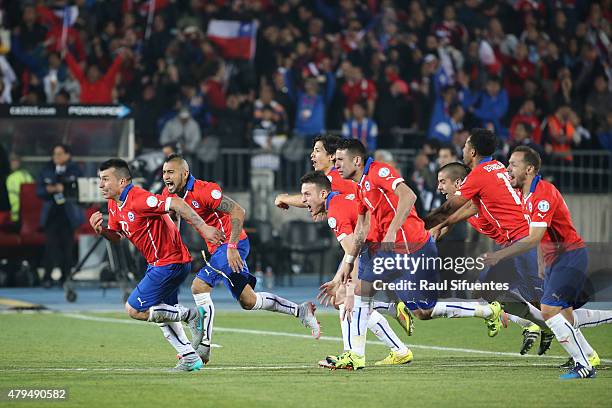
407 198
207 232
285 201
237 214
329 289
449 208
96 223
361 230
531 241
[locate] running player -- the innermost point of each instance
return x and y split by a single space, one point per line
228 256
565 256
341 211
450 177
390 202
142 217
489 190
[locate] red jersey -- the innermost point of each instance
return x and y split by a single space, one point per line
342 186
480 224
341 214
488 185
356 91
376 193
547 208
204 197
143 219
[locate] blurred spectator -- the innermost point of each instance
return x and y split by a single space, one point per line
446 154
605 134
558 133
488 106
449 123
7 80
527 116
424 178
55 77
5 170
356 89
95 88
232 122
361 127
14 181
183 131
277 111
599 102
310 103
61 215
523 135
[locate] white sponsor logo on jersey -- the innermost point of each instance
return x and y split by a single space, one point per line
152 201
216 194
331 222
384 172
350 197
543 206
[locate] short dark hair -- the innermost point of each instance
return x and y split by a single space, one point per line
483 141
120 166
354 147
530 156
64 147
318 178
173 157
455 170
448 146
330 142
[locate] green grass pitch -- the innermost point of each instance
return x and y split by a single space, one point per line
266 361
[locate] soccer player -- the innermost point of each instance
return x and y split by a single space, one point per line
397 228
450 177
341 211
565 256
323 157
142 217
489 190
228 256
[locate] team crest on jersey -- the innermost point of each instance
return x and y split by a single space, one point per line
543 206
216 194
131 216
152 201
350 197
384 172
195 204
367 185
331 222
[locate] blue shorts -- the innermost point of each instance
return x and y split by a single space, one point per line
371 268
220 271
520 272
159 285
565 278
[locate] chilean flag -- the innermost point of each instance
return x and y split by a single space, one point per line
236 39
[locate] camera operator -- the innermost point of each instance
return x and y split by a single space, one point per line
61 214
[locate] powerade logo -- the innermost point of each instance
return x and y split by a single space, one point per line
32 111
115 111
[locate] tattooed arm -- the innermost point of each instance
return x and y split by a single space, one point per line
237 214
207 232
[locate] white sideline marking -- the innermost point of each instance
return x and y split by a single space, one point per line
152 370
328 338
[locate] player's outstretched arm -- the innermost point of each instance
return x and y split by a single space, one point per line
449 208
285 201
96 223
352 252
535 236
207 232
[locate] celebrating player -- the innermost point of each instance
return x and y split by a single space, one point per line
450 177
142 217
228 256
489 190
341 211
565 256
390 202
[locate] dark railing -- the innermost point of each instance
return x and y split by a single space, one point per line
590 171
